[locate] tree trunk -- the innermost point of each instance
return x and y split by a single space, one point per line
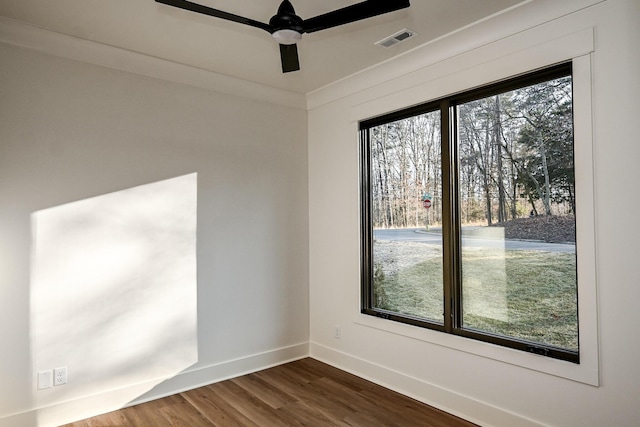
546 200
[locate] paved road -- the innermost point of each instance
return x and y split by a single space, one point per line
435 238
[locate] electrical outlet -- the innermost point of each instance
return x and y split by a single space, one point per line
60 376
45 379
338 333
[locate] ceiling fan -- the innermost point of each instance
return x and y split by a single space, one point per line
287 27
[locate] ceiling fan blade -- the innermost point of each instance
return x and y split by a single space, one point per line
194 7
289 58
356 12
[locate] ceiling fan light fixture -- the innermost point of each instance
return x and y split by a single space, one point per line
287 36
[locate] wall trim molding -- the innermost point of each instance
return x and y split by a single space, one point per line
506 33
454 403
18 33
97 404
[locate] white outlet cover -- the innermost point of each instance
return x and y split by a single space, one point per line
60 376
45 379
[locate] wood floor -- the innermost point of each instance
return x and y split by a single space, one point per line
301 393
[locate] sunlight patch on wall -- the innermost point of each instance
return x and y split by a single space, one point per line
114 289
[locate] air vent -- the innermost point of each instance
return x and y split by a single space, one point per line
396 38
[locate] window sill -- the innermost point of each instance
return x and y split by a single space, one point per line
580 373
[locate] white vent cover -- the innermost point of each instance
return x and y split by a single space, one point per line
396 38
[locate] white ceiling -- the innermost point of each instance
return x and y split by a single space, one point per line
245 52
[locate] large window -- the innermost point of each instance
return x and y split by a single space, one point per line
468 215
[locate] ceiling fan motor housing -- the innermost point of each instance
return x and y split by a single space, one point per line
286 19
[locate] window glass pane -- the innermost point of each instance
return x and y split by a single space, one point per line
517 213
406 214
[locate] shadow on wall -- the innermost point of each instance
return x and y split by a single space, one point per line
114 295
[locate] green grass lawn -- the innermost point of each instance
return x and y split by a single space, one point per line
523 294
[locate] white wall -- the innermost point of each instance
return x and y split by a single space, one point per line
489 385
72 132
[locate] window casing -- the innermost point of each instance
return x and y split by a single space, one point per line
445 195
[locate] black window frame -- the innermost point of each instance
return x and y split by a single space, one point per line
451 235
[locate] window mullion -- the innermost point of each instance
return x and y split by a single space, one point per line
450 223
365 221
455 221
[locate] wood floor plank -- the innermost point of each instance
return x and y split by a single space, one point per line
264 390
306 392
174 411
310 415
183 415
248 405
111 419
216 410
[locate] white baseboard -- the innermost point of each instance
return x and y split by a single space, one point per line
89 406
466 407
